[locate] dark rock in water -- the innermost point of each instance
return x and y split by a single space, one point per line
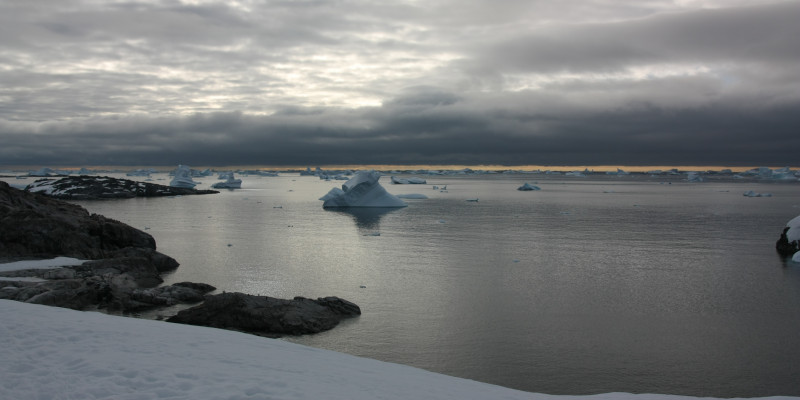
86 187
784 246
268 316
33 225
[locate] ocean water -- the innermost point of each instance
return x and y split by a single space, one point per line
591 285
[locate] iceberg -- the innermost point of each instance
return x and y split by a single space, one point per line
693 176
751 193
409 181
183 178
230 182
362 190
527 186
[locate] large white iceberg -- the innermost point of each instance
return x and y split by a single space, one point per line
183 178
362 190
230 183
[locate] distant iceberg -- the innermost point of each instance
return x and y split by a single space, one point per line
409 181
751 193
362 190
527 186
42 172
693 176
183 178
230 183
418 196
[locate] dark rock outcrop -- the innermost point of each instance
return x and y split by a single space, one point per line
267 316
33 225
87 187
784 246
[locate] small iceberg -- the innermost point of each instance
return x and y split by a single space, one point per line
693 176
183 178
751 193
527 187
230 183
409 181
362 190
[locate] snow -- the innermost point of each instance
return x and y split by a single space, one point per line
183 178
362 190
40 264
56 353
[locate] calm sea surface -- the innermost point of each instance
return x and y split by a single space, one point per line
590 285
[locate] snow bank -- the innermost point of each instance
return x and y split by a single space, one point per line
40 264
362 190
56 353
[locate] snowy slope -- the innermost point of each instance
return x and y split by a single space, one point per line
53 353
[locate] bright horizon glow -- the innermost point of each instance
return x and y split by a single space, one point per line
398 167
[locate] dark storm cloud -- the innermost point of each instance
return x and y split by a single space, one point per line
349 82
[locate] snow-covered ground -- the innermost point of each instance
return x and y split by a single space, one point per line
54 353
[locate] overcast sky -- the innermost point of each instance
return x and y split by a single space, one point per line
534 82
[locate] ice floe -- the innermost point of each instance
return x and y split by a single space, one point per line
408 181
751 193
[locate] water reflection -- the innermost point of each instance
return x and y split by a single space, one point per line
366 218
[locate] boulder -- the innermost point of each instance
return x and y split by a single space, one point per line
267 316
786 247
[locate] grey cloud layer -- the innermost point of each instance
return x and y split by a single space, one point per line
321 82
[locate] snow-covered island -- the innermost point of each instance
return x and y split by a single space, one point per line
362 190
55 353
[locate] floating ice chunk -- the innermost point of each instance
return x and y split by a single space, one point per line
475 200
794 229
796 257
418 196
694 176
362 190
751 193
230 183
409 181
183 178
42 172
527 186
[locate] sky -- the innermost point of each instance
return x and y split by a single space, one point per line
343 82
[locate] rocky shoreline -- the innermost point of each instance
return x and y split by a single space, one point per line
123 269
86 187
